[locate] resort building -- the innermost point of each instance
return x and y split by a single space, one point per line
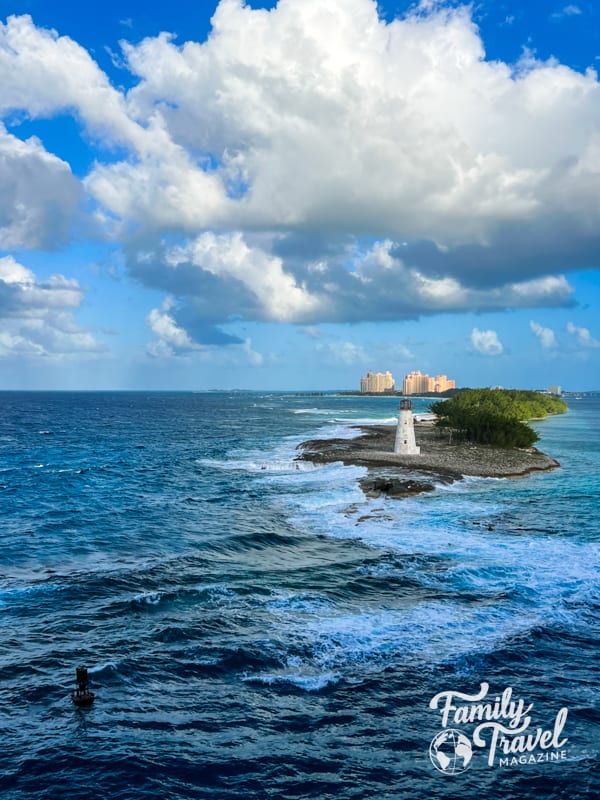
377 382
443 383
418 383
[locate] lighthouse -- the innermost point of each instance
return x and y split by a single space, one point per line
405 433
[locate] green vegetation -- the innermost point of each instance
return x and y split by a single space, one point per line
495 416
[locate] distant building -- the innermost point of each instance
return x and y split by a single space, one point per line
415 383
418 383
557 390
377 382
442 383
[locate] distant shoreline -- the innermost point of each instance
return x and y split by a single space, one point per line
373 448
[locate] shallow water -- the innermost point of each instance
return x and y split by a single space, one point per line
255 626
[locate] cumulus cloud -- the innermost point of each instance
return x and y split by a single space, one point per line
39 194
171 337
275 293
318 122
582 336
221 276
44 73
36 316
545 335
486 342
21 294
173 341
324 115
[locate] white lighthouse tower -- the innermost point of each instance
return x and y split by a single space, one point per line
405 433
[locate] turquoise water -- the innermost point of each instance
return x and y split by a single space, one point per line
254 626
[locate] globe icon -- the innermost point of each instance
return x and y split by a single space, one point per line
450 752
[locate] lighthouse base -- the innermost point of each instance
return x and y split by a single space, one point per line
405 449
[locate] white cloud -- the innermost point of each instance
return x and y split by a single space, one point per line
582 335
228 257
568 11
486 342
11 272
39 194
329 116
44 73
543 291
400 129
386 280
545 335
171 337
37 318
254 357
21 294
322 121
226 275
173 341
160 193
320 115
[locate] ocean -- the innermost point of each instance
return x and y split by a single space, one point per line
255 627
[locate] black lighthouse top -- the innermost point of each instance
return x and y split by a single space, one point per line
405 405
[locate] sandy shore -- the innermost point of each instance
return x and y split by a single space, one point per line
373 448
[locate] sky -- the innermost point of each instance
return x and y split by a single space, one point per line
284 195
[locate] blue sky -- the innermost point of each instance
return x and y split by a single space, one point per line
285 195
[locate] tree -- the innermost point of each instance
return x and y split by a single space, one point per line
495 416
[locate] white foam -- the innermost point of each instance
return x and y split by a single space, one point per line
303 603
322 412
367 420
150 598
282 457
259 462
530 580
424 633
429 632
310 683
108 666
19 594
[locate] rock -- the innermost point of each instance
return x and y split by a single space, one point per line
374 448
393 487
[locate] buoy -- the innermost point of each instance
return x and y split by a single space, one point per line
82 695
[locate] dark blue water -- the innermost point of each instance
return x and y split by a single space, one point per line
257 628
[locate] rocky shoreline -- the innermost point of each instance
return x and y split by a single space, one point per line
401 476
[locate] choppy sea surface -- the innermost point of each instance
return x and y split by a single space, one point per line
255 627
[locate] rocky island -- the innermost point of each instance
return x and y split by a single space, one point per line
443 456
440 459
